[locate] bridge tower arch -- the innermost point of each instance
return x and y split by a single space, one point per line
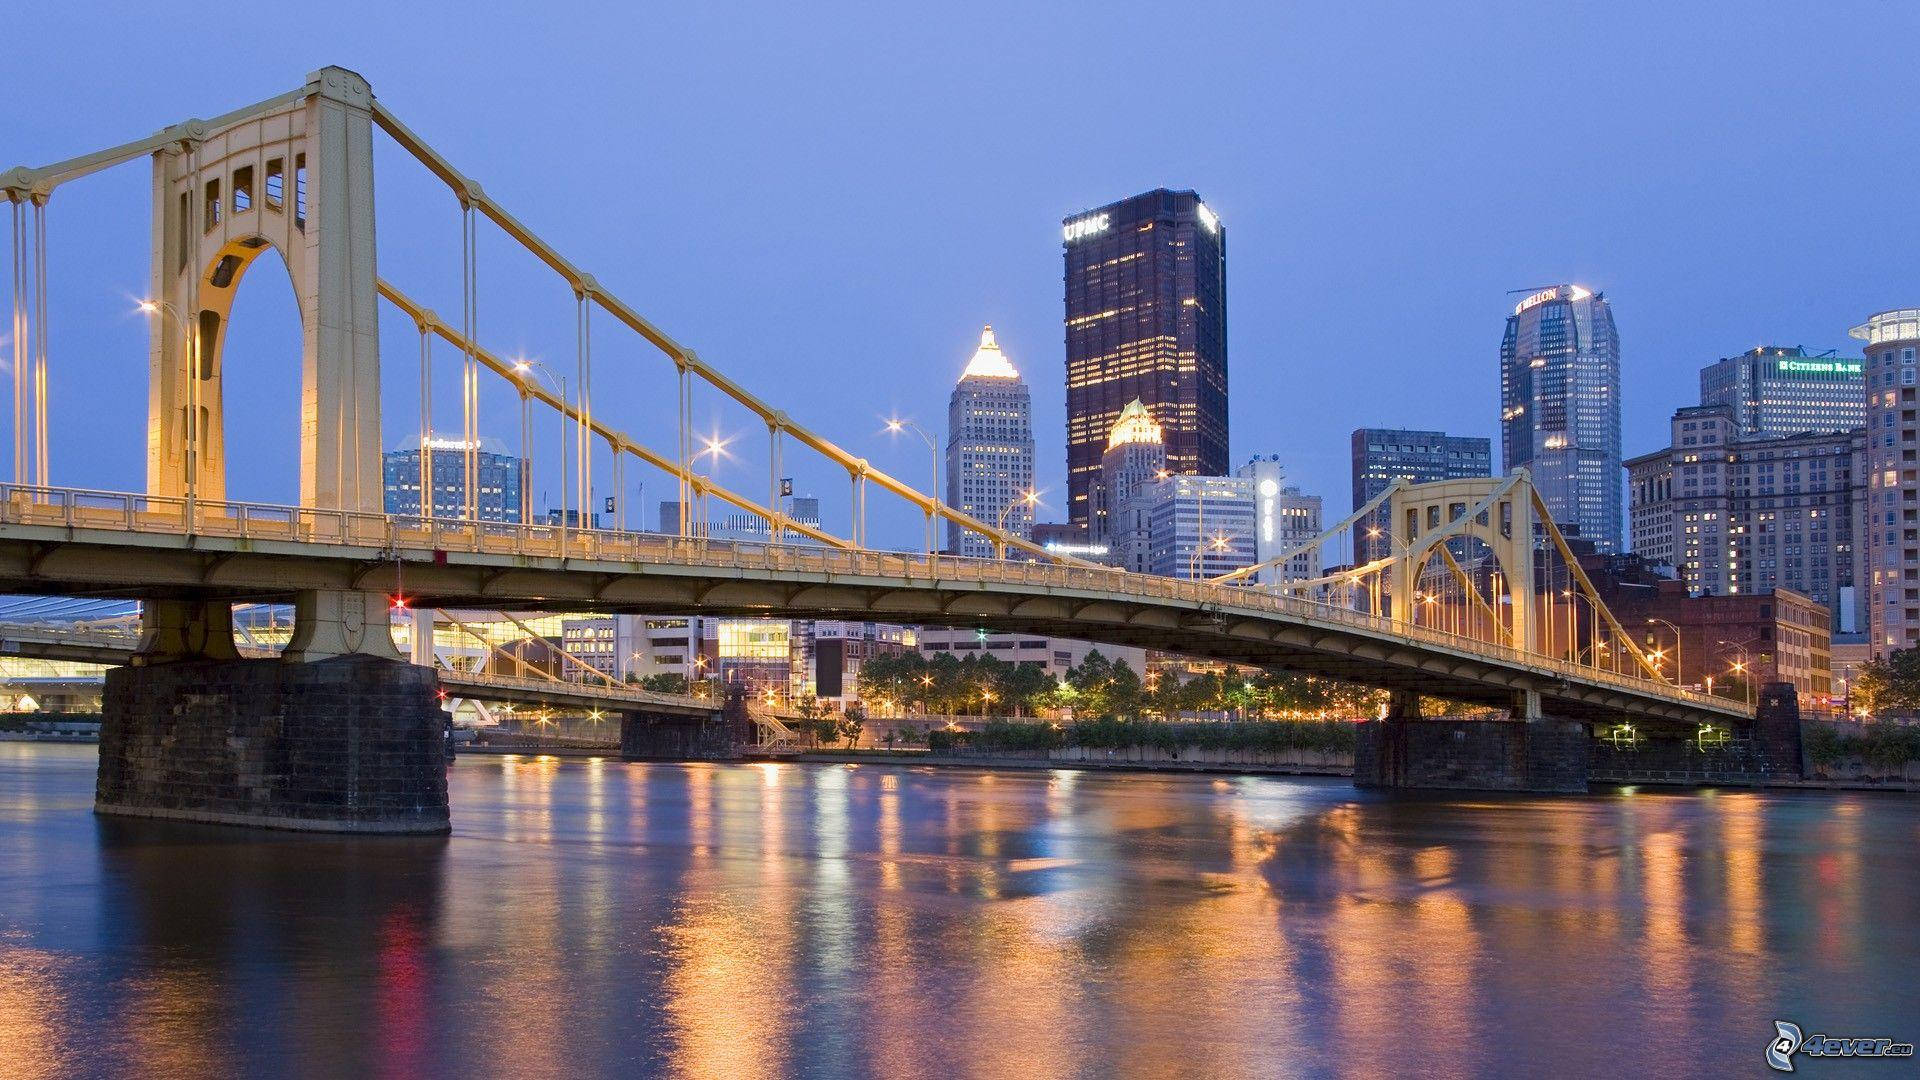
1496 511
296 174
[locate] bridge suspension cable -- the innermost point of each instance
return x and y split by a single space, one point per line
861 473
540 393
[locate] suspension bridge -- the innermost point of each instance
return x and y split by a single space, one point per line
1481 599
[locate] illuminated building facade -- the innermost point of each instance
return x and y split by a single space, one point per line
831 653
1136 455
757 653
1284 518
1740 515
502 478
1779 390
1146 320
1056 656
1560 407
1383 455
1191 526
989 449
1893 478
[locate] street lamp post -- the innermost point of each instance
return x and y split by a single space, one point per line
1678 670
525 367
716 448
1030 499
895 425
1742 667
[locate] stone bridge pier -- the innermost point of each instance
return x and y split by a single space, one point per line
663 736
339 734
1529 752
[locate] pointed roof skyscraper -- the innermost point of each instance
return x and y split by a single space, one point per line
988 361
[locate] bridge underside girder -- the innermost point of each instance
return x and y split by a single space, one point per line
96 564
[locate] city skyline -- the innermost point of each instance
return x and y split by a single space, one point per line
522 575
1389 255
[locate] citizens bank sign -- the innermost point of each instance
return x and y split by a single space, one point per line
1818 367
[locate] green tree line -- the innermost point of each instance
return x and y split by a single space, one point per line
1098 687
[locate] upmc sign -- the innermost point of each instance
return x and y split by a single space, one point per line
1091 225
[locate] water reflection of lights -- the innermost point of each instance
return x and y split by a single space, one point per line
796 920
31 1006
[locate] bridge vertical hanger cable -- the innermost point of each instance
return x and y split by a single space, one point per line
686 410
426 422
773 480
526 454
470 390
619 484
17 338
583 429
190 358
42 476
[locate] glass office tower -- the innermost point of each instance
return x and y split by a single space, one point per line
1560 407
503 478
1146 319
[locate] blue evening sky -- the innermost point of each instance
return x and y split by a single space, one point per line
827 200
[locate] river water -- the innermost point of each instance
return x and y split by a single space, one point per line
596 918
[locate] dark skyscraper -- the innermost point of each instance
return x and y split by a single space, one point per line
1146 291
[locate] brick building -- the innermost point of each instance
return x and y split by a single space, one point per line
1780 635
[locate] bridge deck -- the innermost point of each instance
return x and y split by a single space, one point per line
92 543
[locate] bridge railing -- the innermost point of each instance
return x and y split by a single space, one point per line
127 511
584 691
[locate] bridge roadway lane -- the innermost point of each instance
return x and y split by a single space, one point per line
84 544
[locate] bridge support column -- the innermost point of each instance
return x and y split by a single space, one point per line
331 622
1776 731
648 736
347 740
186 629
1380 746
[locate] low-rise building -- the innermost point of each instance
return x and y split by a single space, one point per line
1056 655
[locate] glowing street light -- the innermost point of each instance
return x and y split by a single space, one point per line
526 368
1029 499
896 425
1678 668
